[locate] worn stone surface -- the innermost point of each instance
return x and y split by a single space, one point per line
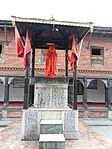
30 123
51 145
10 138
51 115
71 124
51 95
52 141
51 129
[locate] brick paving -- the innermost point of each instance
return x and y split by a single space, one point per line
10 138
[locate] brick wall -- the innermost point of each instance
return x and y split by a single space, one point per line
102 40
94 114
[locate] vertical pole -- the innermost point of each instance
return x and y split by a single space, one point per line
85 98
106 96
109 94
27 78
6 93
33 75
66 63
85 93
75 86
6 98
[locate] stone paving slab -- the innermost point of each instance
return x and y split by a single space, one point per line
105 132
4 123
98 122
10 138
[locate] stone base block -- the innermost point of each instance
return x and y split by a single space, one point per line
52 141
31 120
71 124
51 127
30 125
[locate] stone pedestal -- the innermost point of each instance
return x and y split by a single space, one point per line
32 118
50 103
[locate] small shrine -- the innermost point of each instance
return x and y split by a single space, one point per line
46 114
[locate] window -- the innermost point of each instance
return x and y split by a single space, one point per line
97 56
43 56
1 50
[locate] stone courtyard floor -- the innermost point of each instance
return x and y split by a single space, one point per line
10 138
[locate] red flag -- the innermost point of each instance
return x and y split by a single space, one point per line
74 55
19 46
51 63
27 47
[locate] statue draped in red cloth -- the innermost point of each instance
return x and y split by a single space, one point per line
51 70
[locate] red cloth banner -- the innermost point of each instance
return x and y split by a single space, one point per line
27 47
74 55
51 70
19 46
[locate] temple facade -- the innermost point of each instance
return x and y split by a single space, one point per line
94 69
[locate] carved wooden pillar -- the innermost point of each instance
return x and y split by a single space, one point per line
106 96
109 93
85 93
6 93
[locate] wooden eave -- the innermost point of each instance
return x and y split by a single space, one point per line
44 32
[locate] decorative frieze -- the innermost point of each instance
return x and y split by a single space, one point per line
51 93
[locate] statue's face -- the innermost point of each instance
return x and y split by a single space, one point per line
52 48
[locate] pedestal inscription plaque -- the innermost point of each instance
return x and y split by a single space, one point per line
51 95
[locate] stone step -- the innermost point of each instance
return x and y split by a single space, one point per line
52 141
51 127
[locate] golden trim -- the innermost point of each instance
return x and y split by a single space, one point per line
43 21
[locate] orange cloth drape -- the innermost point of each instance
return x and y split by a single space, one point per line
22 51
27 47
19 46
51 70
74 55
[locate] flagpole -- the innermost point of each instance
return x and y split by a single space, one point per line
27 54
75 86
66 64
27 81
33 76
